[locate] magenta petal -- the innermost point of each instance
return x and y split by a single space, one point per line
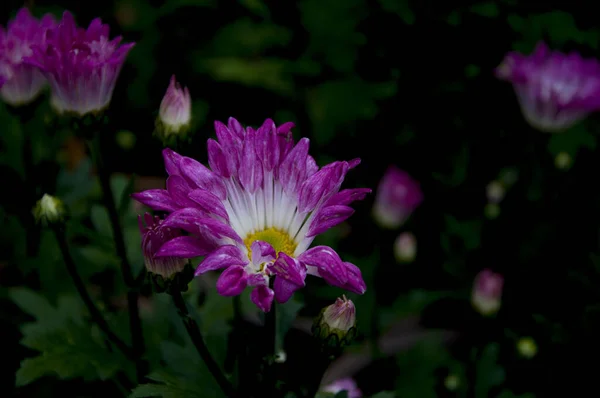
236 127
223 257
157 199
184 247
321 185
267 145
251 169
195 221
328 217
209 203
262 252
179 189
329 264
347 196
292 171
201 176
284 289
262 296
171 159
232 281
217 159
290 269
355 283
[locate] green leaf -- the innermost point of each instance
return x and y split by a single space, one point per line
384 394
489 373
101 221
417 366
247 38
572 141
401 8
68 347
488 9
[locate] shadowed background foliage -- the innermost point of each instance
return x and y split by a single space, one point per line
408 83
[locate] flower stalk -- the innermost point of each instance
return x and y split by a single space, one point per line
194 332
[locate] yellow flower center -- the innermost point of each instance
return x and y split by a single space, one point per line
280 240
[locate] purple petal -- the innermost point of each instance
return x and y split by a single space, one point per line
232 281
267 145
262 296
209 203
329 264
236 127
262 252
184 247
217 159
355 283
292 171
179 189
347 196
284 289
224 257
195 221
328 217
231 144
290 269
321 185
156 199
171 159
202 177
250 172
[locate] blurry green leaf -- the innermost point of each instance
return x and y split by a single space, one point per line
336 105
11 142
172 5
417 366
101 221
453 18
572 141
468 231
509 394
384 394
247 38
488 9
68 348
472 70
122 188
286 314
458 174
94 258
516 22
405 305
172 387
258 7
400 7
74 187
269 73
489 373
143 59
333 30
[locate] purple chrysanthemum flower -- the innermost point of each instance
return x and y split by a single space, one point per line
256 211
555 90
345 384
82 66
398 195
154 235
21 83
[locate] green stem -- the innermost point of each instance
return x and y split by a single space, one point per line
135 326
194 332
80 286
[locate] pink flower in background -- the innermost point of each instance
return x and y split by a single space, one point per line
398 195
555 90
81 65
405 247
175 113
487 292
20 82
346 384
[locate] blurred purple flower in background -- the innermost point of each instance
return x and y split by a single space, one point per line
555 90
256 211
81 65
398 195
346 384
487 292
20 82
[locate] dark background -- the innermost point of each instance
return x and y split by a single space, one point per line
392 82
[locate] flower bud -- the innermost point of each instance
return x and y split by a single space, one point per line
49 210
164 272
495 192
487 292
175 114
405 247
346 384
527 347
398 195
336 324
